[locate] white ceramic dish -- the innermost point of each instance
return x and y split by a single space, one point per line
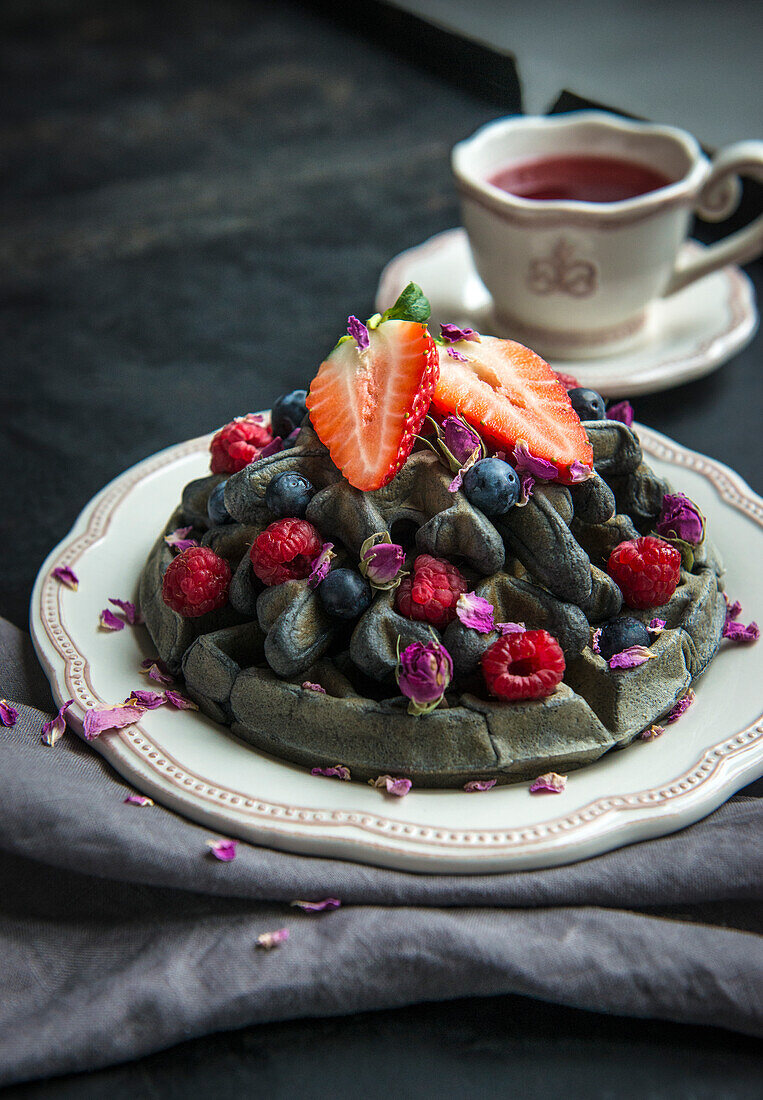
198 768
687 335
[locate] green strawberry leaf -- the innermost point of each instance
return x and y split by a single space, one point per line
412 305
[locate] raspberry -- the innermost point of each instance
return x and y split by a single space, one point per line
431 594
196 582
523 666
238 443
647 570
285 551
568 381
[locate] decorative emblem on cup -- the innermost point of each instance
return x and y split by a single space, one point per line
561 273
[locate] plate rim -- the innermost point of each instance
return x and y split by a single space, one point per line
604 823
705 357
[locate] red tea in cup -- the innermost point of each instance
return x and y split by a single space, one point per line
578 178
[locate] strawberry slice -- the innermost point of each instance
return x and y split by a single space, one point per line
508 393
370 396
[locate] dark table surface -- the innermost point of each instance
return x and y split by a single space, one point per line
196 196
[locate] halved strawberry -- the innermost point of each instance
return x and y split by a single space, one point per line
367 403
507 393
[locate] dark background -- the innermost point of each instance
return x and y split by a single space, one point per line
194 196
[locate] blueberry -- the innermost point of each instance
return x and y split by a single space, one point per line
345 594
216 510
619 634
288 495
288 412
492 486
588 404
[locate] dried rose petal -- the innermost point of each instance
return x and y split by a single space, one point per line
733 610
269 940
524 462
272 448
475 785
110 621
423 673
150 700
736 632
9 716
631 657
358 331
456 355
313 687
179 701
179 541
321 565
382 561
399 787
679 708
526 486
460 439
224 850
579 472
652 733
98 719
129 610
457 481
451 333
656 626
339 771
475 612
66 576
54 729
551 781
139 800
157 670
510 628
680 518
324 906
596 640
622 411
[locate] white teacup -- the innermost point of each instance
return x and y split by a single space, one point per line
574 278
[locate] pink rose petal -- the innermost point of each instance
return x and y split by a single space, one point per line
595 640
526 486
324 906
269 940
179 701
224 850
736 632
129 610
308 686
551 781
656 626
733 610
475 785
524 462
66 576
399 787
632 657
54 729
179 541
451 333
339 771
456 355
579 472
9 716
99 719
680 707
139 800
110 621
475 612
273 448
157 670
510 628
358 331
321 565
150 700
622 411
652 733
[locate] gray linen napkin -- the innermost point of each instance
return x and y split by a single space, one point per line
120 935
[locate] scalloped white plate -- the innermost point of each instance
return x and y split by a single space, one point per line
198 768
686 336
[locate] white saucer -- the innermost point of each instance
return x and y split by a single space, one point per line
686 336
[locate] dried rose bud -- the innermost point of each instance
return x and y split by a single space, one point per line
381 562
680 518
423 674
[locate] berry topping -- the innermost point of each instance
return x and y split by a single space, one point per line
285 551
508 393
620 634
238 443
588 404
368 402
288 412
196 581
345 594
523 666
288 495
647 570
216 510
568 380
431 594
492 486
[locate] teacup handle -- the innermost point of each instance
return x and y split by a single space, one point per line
718 199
